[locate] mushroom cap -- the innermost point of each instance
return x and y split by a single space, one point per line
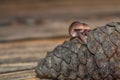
76 25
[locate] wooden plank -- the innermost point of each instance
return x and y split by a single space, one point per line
20 75
41 5
23 55
50 29
33 32
25 44
15 67
26 51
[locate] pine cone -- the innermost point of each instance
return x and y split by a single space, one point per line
99 59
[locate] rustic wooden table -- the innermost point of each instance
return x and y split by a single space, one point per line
22 46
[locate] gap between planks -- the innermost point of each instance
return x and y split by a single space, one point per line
14 67
21 75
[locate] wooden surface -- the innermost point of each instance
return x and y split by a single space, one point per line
26 40
18 59
21 47
27 74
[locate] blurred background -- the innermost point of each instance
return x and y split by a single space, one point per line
31 28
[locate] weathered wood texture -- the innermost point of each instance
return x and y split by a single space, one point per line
17 58
19 53
22 46
48 29
25 51
19 75
13 7
33 32
29 29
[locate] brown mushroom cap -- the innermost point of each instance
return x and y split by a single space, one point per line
77 25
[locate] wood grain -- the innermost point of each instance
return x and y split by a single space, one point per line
24 55
22 45
20 75
26 32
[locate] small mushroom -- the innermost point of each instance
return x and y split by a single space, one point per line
80 30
